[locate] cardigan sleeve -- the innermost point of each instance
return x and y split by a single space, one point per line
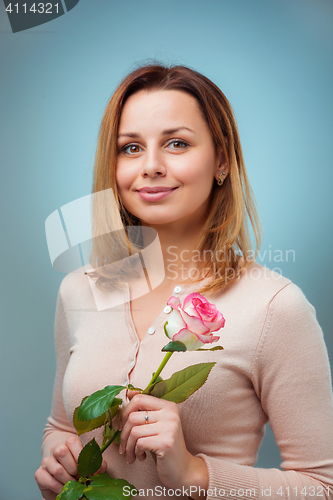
291 376
58 427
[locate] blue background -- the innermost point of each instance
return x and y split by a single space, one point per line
272 59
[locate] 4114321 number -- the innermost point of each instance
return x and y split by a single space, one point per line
36 8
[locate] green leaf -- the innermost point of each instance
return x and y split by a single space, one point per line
104 487
118 436
115 406
83 426
158 390
99 402
216 348
71 491
90 459
182 384
174 346
149 388
159 378
108 433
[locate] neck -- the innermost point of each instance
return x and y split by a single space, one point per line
179 252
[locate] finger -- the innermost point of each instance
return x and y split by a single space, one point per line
64 456
140 455
134 440
140 452
47 483
136 418
103 467
145 445
143 402
57 470
48 495
75 446
130 394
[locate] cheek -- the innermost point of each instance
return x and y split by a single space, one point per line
199 177
199 168
123 181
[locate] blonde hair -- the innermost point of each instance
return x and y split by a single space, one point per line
232 205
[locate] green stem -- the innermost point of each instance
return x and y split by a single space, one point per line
154 378
159 369
106 445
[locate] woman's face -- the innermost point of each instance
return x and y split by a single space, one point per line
166 161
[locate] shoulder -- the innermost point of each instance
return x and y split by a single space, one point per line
255 287
262 300
288 335
78 291
289 322
279 294
74 286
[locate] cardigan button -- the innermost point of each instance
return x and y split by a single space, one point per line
177 289
151 330
167 309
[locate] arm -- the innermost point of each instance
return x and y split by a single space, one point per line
61 444
291 376
58 427
177 468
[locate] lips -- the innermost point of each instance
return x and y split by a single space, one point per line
155 193
155 189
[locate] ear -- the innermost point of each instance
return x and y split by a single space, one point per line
222 167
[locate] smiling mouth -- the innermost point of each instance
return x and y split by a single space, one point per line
155 194
156 189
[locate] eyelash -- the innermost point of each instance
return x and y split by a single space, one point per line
181 141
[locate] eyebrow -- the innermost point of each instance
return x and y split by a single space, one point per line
168 131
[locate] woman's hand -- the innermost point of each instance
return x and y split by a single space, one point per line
161 434
59 467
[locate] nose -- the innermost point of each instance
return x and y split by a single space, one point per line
153 163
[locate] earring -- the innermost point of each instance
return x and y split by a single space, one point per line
220 180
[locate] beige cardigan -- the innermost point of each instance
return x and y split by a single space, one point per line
274 367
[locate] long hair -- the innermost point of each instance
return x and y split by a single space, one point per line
225 244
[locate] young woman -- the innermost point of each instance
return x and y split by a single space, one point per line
170 151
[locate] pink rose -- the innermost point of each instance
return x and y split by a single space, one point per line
193 322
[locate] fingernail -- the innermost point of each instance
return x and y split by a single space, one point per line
120 450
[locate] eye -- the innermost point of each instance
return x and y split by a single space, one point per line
131 149
178 144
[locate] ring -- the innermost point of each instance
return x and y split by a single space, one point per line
146 417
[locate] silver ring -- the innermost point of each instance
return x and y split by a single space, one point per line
146 417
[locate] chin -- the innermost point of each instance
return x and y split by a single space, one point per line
152 221
149 217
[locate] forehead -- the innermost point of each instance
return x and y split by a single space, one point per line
168 106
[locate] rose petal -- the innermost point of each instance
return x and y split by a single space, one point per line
174 302
195 325
208 339
175 323
215 325
189 339
190 303
207 312
191 296
192 311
